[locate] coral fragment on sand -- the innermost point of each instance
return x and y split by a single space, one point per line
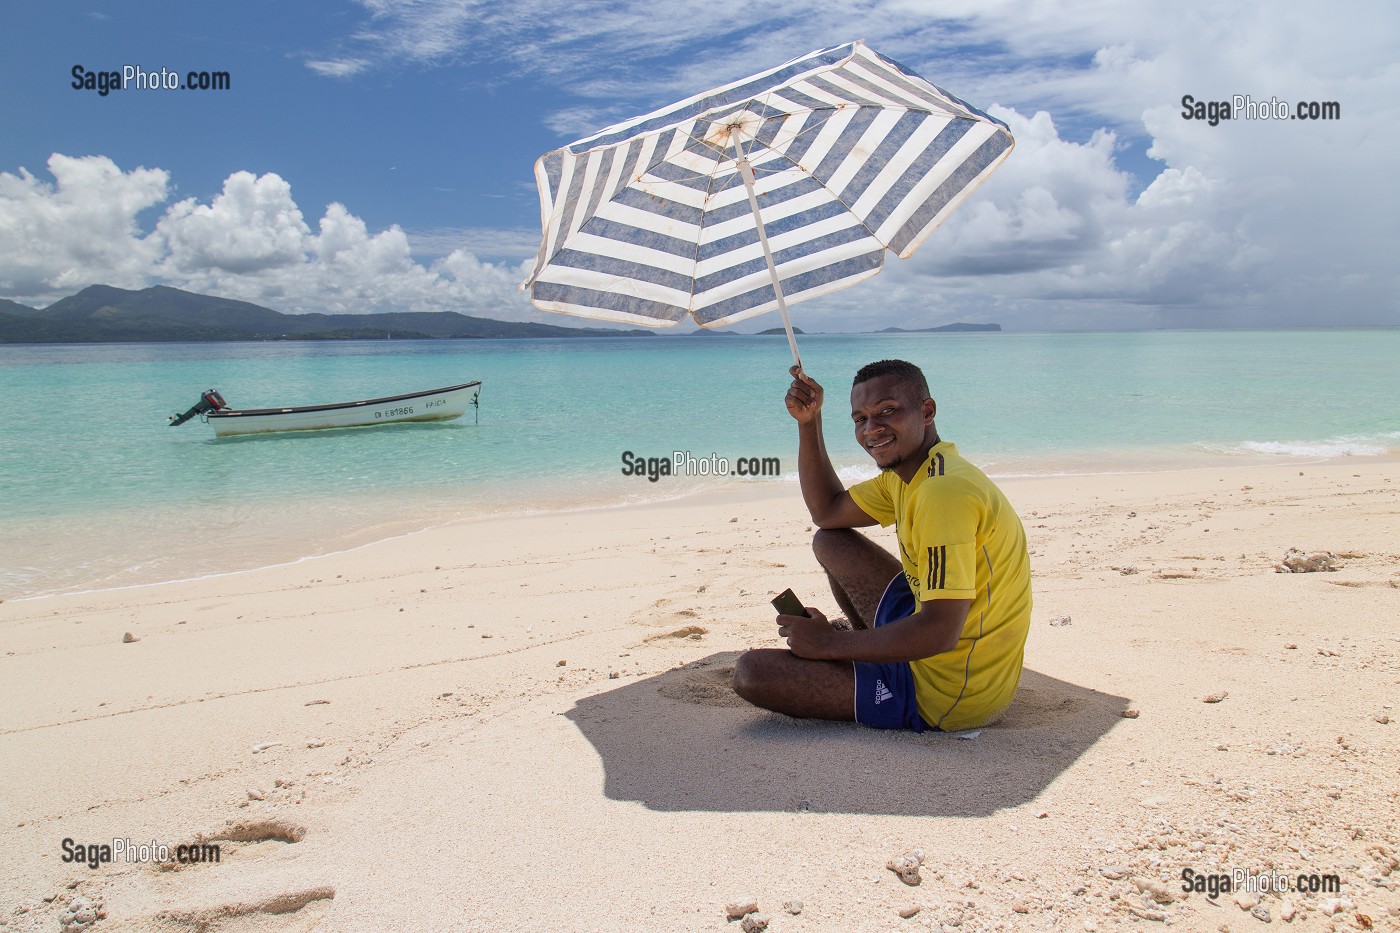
1296 561
907 866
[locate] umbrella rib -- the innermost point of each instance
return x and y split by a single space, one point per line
699 240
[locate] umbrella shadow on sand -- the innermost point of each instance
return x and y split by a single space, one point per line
682 740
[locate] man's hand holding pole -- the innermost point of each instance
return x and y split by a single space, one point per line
820 485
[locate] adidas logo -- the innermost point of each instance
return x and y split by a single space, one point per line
882 693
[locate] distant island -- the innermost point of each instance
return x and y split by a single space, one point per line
958 328
161 314
103 314
945 329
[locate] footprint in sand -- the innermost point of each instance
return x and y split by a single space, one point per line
244 835
297 911
712 687
262 831
291 912
695 632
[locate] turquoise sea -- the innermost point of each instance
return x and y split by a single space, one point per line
97 491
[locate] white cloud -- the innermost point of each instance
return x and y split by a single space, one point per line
252 225
250 242
514 243
338 68
79 230
345 268
1056 239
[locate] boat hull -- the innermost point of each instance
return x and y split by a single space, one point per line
433 405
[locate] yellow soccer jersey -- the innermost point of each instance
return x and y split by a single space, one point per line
959 538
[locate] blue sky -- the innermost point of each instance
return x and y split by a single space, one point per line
377 155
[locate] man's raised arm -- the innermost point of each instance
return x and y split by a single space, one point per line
831 506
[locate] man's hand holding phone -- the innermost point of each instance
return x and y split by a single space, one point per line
788 604
808 633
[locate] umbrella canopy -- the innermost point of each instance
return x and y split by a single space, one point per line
786 185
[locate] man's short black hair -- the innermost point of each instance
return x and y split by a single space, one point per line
907 374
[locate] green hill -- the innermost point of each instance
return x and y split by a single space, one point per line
102 313
15 308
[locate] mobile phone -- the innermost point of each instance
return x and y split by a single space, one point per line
788 604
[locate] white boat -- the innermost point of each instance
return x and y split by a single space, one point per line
433 405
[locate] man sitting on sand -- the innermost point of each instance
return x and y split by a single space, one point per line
938 634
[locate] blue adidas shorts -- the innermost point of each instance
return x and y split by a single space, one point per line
885 692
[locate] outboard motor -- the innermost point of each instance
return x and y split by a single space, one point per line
209 400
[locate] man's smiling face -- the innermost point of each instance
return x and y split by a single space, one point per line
892 425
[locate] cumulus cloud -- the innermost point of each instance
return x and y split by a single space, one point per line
508 243
1048 205
80 229
342 267
1056 238
1062 222
251 226
250 241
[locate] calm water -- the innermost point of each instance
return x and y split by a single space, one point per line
96 490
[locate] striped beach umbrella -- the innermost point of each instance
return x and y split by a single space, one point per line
786 185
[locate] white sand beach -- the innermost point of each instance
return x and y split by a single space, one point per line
525 724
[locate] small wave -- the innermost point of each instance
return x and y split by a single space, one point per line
1351 445
857 474
849 475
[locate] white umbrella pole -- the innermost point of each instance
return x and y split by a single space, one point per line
746 173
